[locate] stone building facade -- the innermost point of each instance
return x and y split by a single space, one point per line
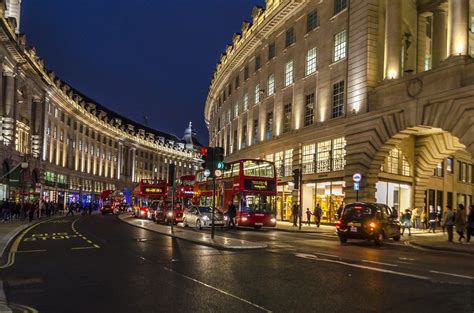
384 88
58 143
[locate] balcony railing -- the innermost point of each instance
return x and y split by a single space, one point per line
324 166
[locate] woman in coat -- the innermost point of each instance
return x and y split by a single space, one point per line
460 221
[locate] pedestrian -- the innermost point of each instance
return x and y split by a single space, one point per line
470 223
424 221
308 216
460 221
432 220
31 212
4 210
318 212
448 222
71 209
231 211
89 209
415 218
406 221
294 212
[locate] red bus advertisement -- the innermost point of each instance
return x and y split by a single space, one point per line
111 201
148 193
250 184
185 190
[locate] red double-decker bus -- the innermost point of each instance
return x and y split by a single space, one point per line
147 194
250 184
185 190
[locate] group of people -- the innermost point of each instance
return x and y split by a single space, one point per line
462 222
22 210
78 208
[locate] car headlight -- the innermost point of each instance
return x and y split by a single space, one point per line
226 218
170 214
206 218
244 219
273 220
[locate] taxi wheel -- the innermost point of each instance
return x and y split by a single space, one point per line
198 224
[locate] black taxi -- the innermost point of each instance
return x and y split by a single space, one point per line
370 221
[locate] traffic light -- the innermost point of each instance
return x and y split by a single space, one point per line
219 159
296 178
208 159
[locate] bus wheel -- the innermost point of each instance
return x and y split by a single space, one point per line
257 227
198 224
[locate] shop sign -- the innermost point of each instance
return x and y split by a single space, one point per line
357 177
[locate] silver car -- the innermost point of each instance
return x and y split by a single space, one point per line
200 216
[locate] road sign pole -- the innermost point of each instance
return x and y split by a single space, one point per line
357 195
213 205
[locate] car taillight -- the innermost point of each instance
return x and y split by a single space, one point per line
372 226
338 224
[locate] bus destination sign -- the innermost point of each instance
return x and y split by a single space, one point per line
153 190
261 185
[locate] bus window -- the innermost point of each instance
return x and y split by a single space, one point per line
236 169
258 168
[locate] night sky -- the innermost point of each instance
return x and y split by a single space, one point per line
137 57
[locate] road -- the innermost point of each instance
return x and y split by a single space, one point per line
100 264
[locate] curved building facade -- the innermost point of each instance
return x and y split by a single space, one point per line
382 88
61 145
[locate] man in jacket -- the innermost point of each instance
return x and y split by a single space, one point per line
448 222
318 212
294 212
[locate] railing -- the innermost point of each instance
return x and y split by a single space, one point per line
323 166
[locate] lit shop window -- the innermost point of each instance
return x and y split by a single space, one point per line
323 157
338 154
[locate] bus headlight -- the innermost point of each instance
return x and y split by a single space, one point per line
273 220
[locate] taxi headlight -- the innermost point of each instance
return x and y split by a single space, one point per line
226 218
206 218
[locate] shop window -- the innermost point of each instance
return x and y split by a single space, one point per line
309 152
323 159
269 157
338 154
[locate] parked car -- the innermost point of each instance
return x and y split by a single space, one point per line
200 216
370 221
163 214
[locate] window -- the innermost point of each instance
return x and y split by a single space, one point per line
237 81
438 171
289 73
255 132
339 46
61 135
229 115
311 61
279 163
288 162
258 63
269 125
287 118
338 154
338 99
246 102
243 142
309 153
323 157
393 160
22 136
309 110
234 141
450 165
271 51
311 21
257 93
55 132
246 72
339 5
290 37
236 109
271 84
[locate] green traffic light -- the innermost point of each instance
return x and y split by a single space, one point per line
220 165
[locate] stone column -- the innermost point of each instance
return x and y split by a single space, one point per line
393 39
439 37
134 153
8 123
119 160
37 114
458 27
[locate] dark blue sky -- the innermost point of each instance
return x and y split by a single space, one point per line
137 57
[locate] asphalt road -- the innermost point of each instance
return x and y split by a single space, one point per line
100 264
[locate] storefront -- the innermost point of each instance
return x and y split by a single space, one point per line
397 195
329 195
284 201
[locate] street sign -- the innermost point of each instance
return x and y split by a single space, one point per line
218 173
356 186
357 177
207 172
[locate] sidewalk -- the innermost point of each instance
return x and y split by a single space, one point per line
419 238
8 231
202 238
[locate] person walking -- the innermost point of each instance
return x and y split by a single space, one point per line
406 221
432 220
460 221
90 208
71 209
318 212
231 210
448 222
294 212
424 221
470 223
415 218
308 216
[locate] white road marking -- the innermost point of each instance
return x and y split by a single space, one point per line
82 248
451 274
28 251
329 255
376 269
381 263
218 290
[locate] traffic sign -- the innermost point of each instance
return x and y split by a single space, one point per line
356 186
218 173
357 177
207 172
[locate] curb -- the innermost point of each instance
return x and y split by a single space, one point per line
425 246
204 243
301 231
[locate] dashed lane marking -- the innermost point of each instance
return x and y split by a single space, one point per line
218 290
29 251
82 248
380 263
452 274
